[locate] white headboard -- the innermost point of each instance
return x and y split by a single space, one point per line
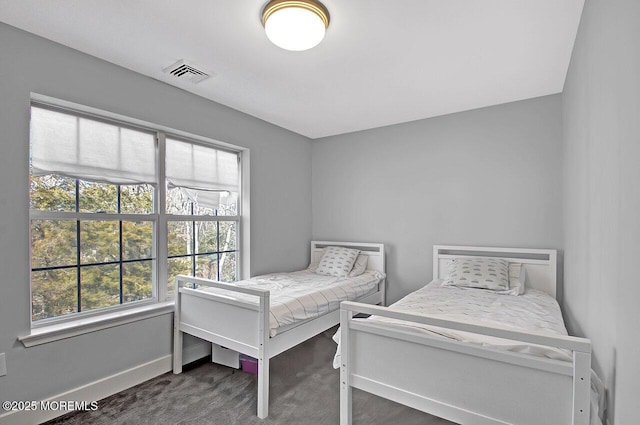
540 264
375 251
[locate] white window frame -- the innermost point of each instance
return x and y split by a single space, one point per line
58 327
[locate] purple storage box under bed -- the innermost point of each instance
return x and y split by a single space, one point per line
249 364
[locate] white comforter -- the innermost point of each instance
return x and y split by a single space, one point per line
532 311
303 295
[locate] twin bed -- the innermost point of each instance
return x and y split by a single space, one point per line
472 356
266 315
467 355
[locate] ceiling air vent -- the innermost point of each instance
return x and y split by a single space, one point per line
186 72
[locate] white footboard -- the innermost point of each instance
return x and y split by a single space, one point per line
461 382
235 324
243 326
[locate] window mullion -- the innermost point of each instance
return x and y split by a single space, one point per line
120 245
193 243
218 249
78 257
73 216
160 271
188 217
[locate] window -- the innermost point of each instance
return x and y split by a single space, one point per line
105 233
202 216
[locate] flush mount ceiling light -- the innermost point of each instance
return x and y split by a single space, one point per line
295 25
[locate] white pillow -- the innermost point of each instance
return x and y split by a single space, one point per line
359 266
482 273
315 260
516 280
337 261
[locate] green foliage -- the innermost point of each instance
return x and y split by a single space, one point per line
53 193
54 244
53 293
100 286
98 197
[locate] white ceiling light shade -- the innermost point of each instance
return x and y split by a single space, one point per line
295 25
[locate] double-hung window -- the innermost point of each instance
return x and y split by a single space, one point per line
118 210
202 217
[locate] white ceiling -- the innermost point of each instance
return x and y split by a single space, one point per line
381 62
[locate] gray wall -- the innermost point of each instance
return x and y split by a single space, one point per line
280 202
493 176
490 177
601 115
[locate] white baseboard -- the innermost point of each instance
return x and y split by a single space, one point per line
105 387
94 391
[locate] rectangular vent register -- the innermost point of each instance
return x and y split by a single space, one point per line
187 72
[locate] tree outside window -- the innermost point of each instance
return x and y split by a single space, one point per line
96 221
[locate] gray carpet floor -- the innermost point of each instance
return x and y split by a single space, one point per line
304 390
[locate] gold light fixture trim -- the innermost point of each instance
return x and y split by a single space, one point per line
295 25
311 5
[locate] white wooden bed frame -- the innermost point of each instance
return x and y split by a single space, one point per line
244 327
463 382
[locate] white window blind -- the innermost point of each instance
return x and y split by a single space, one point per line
210 176
87 149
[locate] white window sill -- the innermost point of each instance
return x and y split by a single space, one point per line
70 329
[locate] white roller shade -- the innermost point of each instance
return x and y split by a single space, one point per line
208 175
87 149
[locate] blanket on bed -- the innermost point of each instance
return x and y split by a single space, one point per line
298 296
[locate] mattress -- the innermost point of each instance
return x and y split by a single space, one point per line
302 295
532 311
